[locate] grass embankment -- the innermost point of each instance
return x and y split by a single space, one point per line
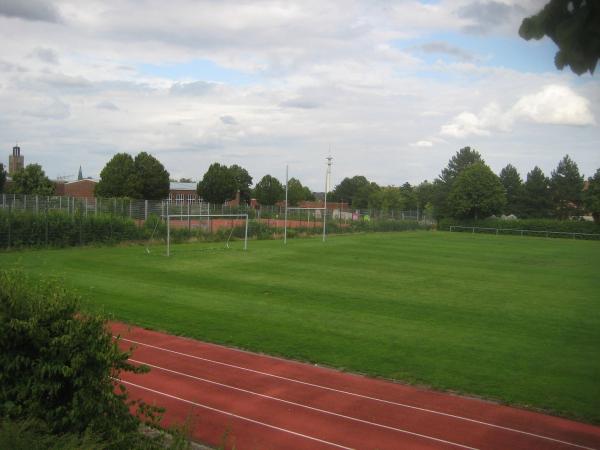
508 318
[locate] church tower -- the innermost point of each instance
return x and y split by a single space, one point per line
15 161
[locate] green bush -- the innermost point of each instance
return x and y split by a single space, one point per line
562 226
59 366
59 229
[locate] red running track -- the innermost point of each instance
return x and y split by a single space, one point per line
262 402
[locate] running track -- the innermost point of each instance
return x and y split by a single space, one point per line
264 403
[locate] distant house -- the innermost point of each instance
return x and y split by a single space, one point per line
183 192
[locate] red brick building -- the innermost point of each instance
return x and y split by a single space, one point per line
182 192
79 188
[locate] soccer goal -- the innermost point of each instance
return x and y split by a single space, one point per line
185 220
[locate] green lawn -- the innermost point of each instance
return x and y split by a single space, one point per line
507 318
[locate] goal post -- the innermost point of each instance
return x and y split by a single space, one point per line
168 218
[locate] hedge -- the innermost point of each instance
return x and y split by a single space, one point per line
551 225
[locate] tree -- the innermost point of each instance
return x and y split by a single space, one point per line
425 194
218 184
573 26
269 190
409 197
243 181
363 197
566 185
464 158
347 189
591 196
476 193
59 364
117 177
513 184
2 177
185 180
537 198
32 181
150 179
297 192
387 198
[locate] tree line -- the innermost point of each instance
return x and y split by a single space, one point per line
465 189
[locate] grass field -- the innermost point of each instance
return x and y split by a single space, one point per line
507 318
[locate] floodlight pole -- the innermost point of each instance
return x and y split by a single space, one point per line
285 222
327 176
168 232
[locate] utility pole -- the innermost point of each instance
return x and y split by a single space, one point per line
327 180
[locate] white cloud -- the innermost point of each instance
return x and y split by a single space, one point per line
423 143
556 105
552 105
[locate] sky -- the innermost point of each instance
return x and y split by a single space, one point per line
391 89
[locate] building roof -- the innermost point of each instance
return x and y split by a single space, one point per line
177 186
83 179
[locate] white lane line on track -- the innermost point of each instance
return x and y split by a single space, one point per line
403 405
400 430
333 444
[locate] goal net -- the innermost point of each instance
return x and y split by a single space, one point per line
208 222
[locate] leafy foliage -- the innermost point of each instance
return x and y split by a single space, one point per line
537 198
218 184
31 180
116 177
564 226
591 196
59 365
476 193
2 177
513 185
150 179
297 192
59 229
574 26
143 177
566 185
269 190
243 181
347 190
464 158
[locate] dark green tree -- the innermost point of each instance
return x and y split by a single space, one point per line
464 158
243 182
347 189
2 178
117 177
566 185
60 365
513 184
409 197
574 27
591 196
218 184
363 197
31 181
297 192
537 197
269 190
476 193
425 194
387 198
150 179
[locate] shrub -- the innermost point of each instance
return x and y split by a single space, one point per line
564 226
59 365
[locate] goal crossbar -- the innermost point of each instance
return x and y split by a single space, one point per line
168 218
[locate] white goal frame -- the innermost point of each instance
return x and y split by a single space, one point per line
168 218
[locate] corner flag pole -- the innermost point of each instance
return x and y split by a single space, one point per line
286 206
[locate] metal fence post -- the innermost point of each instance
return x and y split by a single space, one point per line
145 210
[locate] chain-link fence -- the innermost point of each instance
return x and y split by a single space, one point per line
29 220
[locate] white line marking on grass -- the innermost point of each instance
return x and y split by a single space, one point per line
404 405
400 430
236 416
